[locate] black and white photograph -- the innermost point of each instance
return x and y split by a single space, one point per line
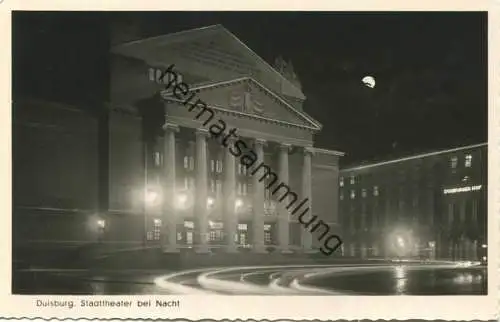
306 153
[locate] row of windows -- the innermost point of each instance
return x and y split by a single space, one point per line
364 193
453 164
157 75
467 161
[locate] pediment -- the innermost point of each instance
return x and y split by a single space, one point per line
248 98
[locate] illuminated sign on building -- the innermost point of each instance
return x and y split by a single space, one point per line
462 189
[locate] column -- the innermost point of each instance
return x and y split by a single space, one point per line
200 207
169 224
230 216
283 214
307 194
258 202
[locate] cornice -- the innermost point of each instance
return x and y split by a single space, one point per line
254 117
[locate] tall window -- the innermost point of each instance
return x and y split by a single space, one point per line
375 191
341 196
353 194
341 181
363 193
186 162
212 165
453 162
468 161
352 180
157 158
218 187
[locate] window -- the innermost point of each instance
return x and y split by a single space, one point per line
156 229
212 165
157 158
468 161
375 191
218 185
341 195
218 166
352 181
186 162
341 181
453 162
151 74
242 226
212 185
191 163
363 193
353 194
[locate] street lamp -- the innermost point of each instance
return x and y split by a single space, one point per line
210 202
151 196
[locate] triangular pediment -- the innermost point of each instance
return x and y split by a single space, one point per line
248 98
212 51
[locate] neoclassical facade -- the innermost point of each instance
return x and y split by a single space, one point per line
198 193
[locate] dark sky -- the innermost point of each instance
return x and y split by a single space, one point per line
430 68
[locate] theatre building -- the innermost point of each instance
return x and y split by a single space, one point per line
146 170
432 205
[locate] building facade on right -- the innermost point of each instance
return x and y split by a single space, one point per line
432 206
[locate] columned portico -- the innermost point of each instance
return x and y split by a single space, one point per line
210 199
283 215
200 204
258 202
229 212
306 194
169 188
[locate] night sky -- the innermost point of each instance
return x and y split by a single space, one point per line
430 69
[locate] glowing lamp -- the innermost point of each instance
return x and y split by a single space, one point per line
369 81
101 223
210 201
151 196
238 203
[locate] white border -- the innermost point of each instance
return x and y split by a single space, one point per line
263 307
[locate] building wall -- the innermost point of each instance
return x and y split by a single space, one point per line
55 173
412 198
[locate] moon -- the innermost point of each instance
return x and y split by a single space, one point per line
369 81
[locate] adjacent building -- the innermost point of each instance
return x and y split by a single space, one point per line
432 205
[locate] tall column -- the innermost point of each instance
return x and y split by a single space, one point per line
283 214
200 208
258 202
307 194
230 215
169 225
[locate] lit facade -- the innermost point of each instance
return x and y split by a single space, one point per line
431 205
144 170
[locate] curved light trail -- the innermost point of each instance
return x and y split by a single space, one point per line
270 280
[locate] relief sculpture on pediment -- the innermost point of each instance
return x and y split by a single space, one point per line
245 101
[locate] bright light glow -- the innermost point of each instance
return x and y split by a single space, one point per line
369 81
485 258
101 223
157 221
484 245
238 203
462 189
181 200
210 201
401 241
151 196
